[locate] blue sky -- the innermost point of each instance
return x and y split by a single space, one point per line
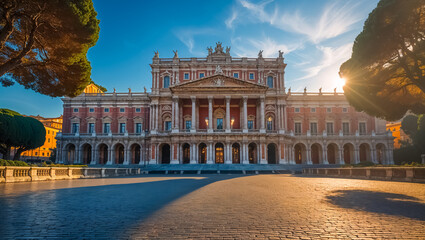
316 37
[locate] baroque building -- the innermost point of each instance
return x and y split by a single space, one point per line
223 110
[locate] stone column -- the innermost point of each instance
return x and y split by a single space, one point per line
356 155
309 155
177 115
210 114
341 155
262 117
193 125
245 114
284 118
325 155
110 158
126 157
157 106
210 153
228 154
93 155
228 114
193 156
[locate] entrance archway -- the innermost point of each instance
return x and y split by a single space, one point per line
202 150
348 153
332 152
364 151
236 153
271 154
219 153
380 153
103 153
87 156
135 153
186 153
119 153
252 153
316 153
165 153
300 153
70 153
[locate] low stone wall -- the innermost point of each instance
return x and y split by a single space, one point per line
410 174
26 174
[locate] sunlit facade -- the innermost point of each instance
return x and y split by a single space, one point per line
220 110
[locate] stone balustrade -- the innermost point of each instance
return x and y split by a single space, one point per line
27 174
410 174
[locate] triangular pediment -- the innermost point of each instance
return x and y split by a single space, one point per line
218 81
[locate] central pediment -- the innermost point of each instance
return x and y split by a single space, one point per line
219 82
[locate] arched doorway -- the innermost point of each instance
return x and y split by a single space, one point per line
186 153
364 151
332 152
316 153
348 153
300 153
236 153
87 156
202 149
380 153
165 153
135 153
119 153
271 154
70 153
103 153
219 153
252 153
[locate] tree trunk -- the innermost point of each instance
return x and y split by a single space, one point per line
18 154
5 33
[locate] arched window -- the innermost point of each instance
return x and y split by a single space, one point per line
270 81
269 123
166 81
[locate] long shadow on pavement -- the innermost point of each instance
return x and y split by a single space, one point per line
379 202
101 212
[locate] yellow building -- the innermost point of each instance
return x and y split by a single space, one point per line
52 126
398 133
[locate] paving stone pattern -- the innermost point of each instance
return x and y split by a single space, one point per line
213 207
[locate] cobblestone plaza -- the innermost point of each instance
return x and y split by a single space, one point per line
213 207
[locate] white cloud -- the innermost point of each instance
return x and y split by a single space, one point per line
187 36
251 47
334 20
231 19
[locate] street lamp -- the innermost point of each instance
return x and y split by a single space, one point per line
206 121
232 120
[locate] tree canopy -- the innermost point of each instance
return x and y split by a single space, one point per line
44 44
385 75
19 132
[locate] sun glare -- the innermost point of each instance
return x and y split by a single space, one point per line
339 83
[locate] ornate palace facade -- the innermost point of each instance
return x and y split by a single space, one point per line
219 109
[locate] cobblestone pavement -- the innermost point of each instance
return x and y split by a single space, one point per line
213 207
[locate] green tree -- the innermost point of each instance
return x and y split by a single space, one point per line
385 75
44 44
414 127
19 132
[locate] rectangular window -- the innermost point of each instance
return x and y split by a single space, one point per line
345 110
48 140
297 110
138 128
91 110
91 127
250 124
362 128
48 131
167 125
138 110
188 124
346 128
219 123
122 127
75 110
297 128
313 128
106 110
236 75
75 128
106 127
329 110
313 110
330 128
186 76
122 110
201 75
166 81
251 76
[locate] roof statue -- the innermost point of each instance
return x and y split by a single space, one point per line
280 54
176 54
218 48
210 50
144 89
218 70
305 90
320 90
156 54
260 54
228 50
